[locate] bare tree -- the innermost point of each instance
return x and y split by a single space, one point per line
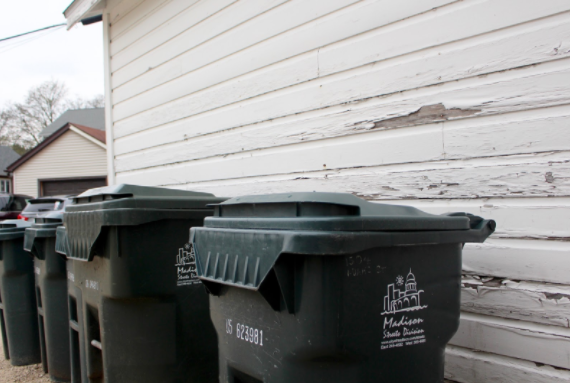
22 123
5 120
81 103
41 107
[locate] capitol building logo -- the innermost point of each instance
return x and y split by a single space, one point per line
398 300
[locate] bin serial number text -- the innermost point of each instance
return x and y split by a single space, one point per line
245 333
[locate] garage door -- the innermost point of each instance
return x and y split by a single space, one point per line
70 186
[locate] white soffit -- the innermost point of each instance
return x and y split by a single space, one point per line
81 9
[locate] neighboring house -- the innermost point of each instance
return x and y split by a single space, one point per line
7 156
91 117
70 159
441 104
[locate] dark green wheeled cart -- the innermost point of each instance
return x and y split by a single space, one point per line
143 311
325 287
51 296
18 313
76 333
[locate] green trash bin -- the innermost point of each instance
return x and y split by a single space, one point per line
51 296
76 333
145 315
326 287
18 313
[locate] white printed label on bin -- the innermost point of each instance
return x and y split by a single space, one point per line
186 273
399 327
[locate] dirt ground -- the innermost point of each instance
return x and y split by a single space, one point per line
28 374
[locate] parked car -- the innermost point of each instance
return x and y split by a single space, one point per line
11 205
40 207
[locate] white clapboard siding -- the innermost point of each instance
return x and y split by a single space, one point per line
514 133
514 338
526 260
117 9
537 175
285 36
70 155
525 301
498 51
440 104
179 23
151 22
530 87
275 50
466 22
379 147
188 51
468 366
134 16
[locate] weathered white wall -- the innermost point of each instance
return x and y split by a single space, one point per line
70 155
446 105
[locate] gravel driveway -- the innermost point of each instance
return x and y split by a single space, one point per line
30 374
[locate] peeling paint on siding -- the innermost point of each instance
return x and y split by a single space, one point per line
425 115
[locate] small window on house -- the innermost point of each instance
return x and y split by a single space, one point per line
4 186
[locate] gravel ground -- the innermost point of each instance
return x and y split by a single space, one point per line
28 374
31 374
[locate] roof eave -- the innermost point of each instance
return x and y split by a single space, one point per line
81 9
87 136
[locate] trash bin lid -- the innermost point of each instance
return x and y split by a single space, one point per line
127 205
244 239
134 196
12 229
43 227
326 211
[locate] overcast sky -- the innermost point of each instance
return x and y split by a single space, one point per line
74 56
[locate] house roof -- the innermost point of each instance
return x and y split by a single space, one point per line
7 156
94 135
94 118
80 9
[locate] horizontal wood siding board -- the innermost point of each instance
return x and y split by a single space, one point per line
193 49
533 175
530 87
152 21
195 14
382 148
285 35
525 301
497 135
192 83
360 150
469 366
522 259
523 340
